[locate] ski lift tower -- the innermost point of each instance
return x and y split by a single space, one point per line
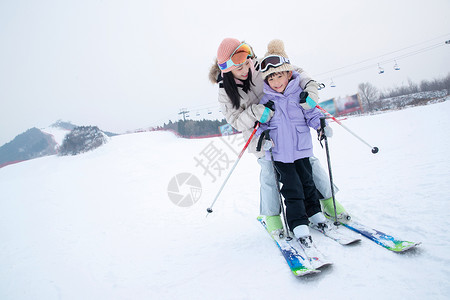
183 112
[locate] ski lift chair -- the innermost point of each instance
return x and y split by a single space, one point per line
332 84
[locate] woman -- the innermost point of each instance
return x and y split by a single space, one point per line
240 89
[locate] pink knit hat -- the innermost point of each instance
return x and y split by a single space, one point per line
225 50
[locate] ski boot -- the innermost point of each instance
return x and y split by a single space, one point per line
275 226
328 210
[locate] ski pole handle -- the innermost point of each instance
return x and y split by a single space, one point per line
323 123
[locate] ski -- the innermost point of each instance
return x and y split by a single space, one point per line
336 234
298 264
315 257
382 239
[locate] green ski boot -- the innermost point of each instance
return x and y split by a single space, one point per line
328 210
274 224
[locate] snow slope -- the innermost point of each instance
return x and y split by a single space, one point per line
58 133
100 225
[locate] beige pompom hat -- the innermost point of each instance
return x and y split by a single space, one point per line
275 60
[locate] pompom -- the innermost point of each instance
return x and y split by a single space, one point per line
275 47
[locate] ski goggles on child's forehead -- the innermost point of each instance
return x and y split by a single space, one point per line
238 57
273 61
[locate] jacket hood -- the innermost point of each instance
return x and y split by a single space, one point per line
214 73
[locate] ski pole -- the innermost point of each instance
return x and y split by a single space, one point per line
268 146
209 209
312 103
322 126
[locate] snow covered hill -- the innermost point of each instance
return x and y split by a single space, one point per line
30 144
57 133
103 225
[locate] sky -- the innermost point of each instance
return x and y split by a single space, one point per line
124 65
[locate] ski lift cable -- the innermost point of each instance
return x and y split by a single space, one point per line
392 59
209 110
387 61
416 52
203 106
389 53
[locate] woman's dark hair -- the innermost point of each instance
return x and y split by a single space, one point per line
231 87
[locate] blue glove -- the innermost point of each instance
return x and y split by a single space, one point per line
268 112
306 102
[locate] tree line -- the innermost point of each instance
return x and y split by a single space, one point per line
192 128
82 139
374 99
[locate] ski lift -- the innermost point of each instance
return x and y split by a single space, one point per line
380 69
332 84
209 112
396 67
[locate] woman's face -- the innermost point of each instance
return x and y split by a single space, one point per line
241 72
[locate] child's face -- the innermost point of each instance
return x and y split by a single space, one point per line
279 81
241 72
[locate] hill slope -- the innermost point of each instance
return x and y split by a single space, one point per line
100 225
28 145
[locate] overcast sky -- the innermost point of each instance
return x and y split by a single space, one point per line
127 64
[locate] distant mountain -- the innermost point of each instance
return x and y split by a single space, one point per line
31 144
63 125
36 142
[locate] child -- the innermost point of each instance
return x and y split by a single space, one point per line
289 129
240 89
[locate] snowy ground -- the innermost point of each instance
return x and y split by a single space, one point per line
57 133
101 225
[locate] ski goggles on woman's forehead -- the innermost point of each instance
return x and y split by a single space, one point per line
273 61
238 57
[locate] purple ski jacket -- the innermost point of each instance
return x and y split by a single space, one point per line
289 126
